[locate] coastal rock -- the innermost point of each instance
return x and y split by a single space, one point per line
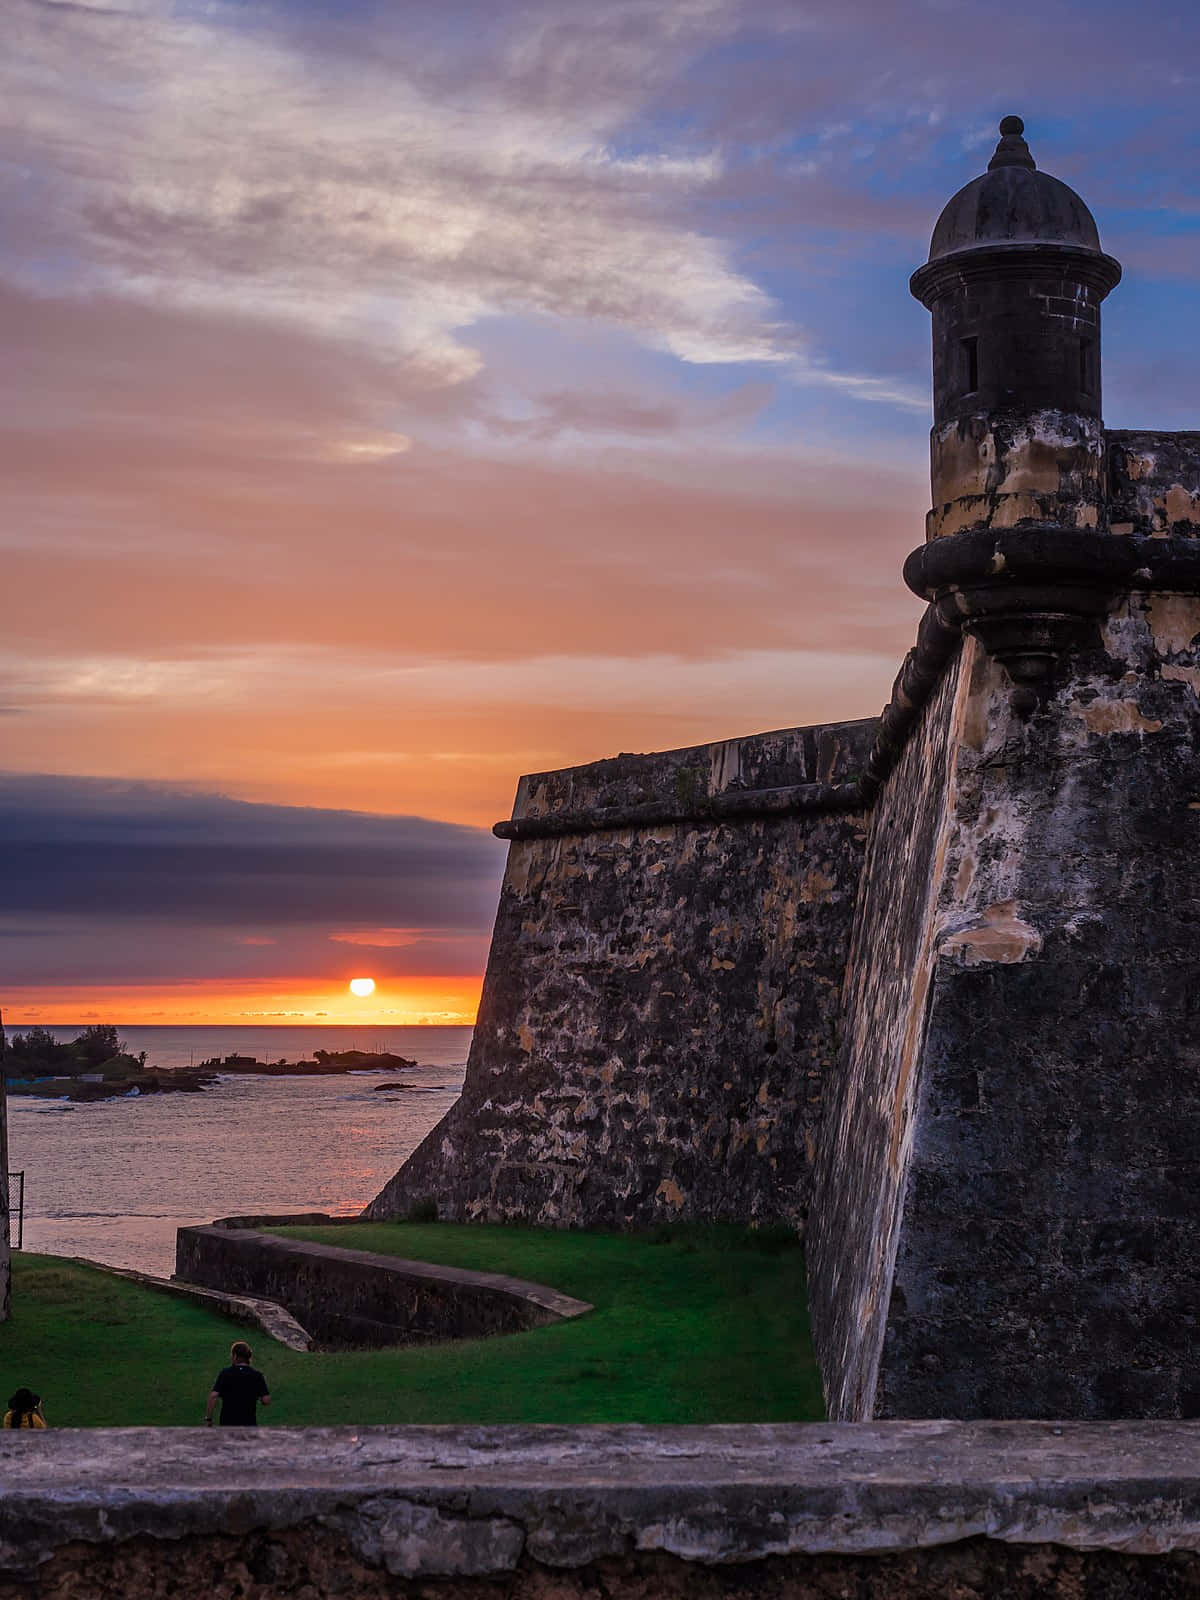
82 1089
325 1063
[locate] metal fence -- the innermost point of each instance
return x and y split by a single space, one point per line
19 1210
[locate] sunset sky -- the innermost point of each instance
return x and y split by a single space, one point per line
402 397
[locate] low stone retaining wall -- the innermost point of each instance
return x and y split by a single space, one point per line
264 1314
354 1298
895 1510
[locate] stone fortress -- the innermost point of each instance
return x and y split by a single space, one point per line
929 985
926 985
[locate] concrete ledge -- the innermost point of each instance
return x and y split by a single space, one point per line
356 1298
453 1503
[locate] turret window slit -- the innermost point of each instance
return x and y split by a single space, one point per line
1087 366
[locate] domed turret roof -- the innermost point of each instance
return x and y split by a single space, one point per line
1013 203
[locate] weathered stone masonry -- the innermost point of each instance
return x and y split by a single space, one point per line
351 1299
659 1011
893 1511
864 1152
1006 1221
939 993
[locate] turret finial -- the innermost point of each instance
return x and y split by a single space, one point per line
1012 151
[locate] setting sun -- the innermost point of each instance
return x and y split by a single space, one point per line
362 987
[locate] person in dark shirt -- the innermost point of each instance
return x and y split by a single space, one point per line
240 1388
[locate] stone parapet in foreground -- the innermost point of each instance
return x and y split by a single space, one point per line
896 1509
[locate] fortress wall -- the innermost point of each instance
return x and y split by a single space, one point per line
862 1166
354 1299
1018 1121
1050 1262
1154 482
660 1006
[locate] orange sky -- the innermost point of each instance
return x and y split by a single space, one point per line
435 1001
404 398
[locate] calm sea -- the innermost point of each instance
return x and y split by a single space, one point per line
112 1180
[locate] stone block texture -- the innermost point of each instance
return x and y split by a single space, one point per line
1154 482
353 1299
660 1007
1009 1214
863 1158
882 1512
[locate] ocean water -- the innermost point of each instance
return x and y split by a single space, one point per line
113 1179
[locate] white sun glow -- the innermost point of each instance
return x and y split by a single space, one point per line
362 987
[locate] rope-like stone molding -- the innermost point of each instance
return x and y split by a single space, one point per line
938 637
1029 594
717 808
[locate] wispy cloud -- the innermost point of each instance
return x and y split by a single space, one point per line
323 679
401 397
212 163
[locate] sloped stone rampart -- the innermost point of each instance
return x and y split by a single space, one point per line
1050 1258
1007 1222
354 1298
660 1004
789 1512
862 1167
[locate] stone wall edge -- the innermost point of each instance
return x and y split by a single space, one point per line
469 1500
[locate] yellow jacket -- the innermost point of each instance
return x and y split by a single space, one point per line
30 1419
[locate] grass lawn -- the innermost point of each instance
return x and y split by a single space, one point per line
692 1324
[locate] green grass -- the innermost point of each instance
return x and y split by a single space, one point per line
691 1324
102 1351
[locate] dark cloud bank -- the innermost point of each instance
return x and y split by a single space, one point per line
90 847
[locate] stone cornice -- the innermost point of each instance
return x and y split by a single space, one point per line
734 803
1015 260
1029 594
1032 595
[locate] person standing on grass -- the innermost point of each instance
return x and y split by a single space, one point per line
240 1388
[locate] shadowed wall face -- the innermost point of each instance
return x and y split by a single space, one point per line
1006 1221
660 1007
863 1158
1050 1255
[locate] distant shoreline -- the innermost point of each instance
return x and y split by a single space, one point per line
19 1024
126 1078
325 1064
